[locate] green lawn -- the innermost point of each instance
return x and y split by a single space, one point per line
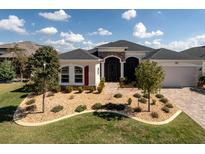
92 128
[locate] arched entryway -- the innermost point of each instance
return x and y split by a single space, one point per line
112 69
129 68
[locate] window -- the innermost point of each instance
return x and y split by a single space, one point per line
65 74
78 74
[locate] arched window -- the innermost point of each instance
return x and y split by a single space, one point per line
78 74
65 74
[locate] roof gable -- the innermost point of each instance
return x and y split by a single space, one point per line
195 51
167 54
78 54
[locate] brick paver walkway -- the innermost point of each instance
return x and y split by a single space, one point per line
192 103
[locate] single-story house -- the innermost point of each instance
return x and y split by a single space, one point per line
119 59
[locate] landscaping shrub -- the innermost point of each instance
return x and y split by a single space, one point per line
111 106
138 109
97 106
129 101
32 101
31 108
102 83
142 100
159 95
155 115
80 89
122 82
154 102
165 109
202 79
146 96
91 89
57 109
68 89
81 108
71 97
50 94
164 100
137 95
118 95
169 105
99 89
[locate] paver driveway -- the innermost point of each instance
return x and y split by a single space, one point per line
191 102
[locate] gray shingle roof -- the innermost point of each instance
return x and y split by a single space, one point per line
167 54
131 46
78 54
195 51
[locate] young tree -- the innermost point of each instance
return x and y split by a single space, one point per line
7 72
44 65
20 59
149 78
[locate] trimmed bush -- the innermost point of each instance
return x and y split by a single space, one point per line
97 106
159 95
142 100
164 100
80 89
155 115
129 101
50 94
165 109
111 106
99 89
57 109
138 109
118 95
91 89
145 96
68 89
169 105
102 83
154 102
137 95
81 108
31 108
30 102
71 97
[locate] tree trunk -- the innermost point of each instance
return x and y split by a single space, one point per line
21 74
149 102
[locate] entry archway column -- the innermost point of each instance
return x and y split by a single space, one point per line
103 70
122 69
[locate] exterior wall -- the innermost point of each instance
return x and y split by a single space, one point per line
93 77
97 74
136 54
103 55
203 68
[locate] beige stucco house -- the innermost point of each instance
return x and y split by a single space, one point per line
119 59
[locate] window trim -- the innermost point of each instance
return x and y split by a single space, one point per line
65 74
79 83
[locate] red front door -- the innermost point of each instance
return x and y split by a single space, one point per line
86 75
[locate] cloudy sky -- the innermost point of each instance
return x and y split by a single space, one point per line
70 29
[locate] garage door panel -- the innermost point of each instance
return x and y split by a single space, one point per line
180 76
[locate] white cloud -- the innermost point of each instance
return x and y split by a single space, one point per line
48 31
127 15
140 31
13 24
60 45
60 15
102 32
178 45
89 44
72 37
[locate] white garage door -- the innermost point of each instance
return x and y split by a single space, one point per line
180 76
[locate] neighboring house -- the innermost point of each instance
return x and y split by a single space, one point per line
28 47
119 59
